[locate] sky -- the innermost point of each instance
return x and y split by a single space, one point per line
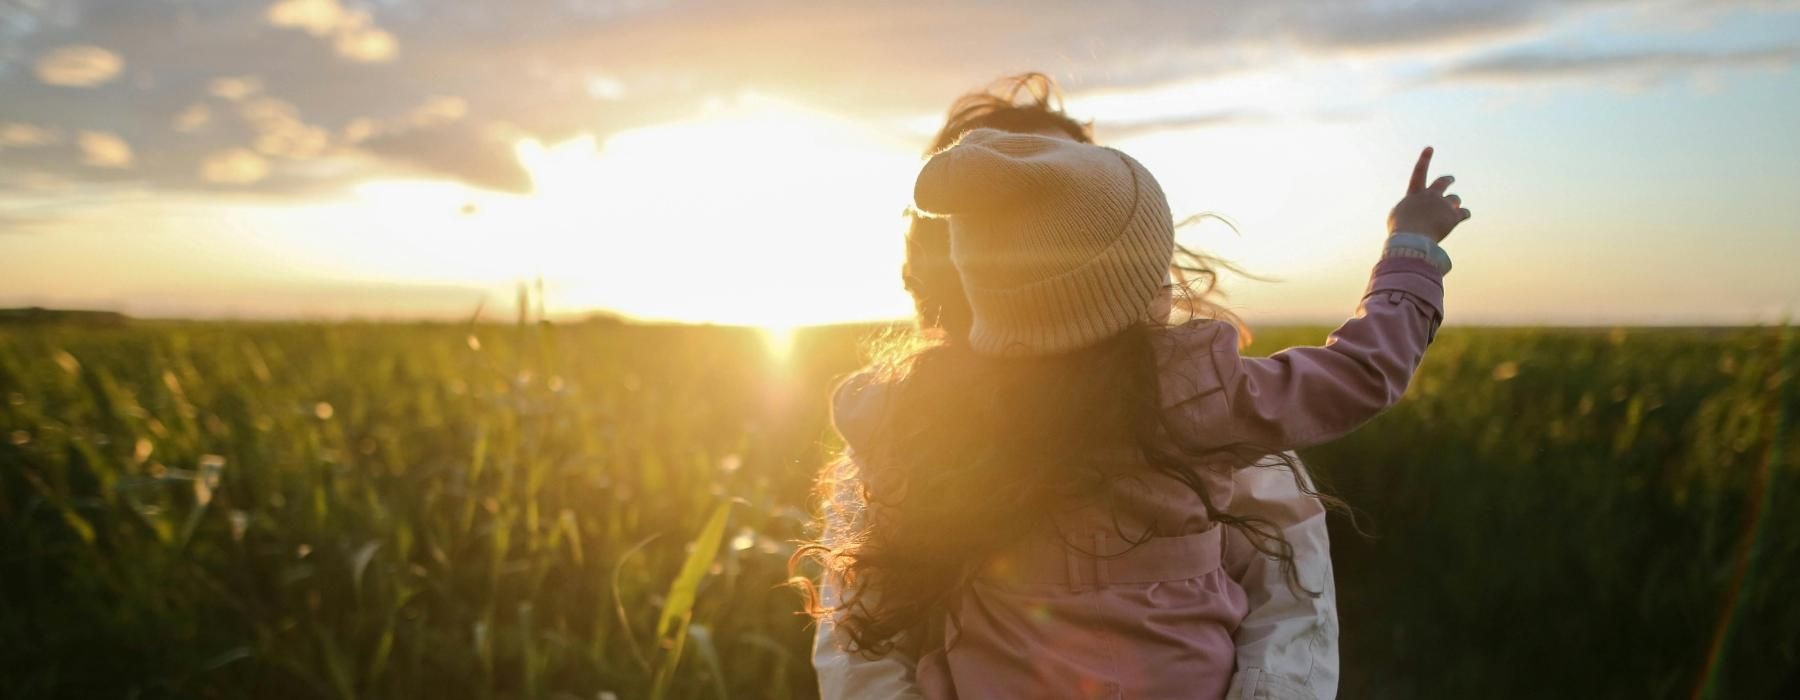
1627 161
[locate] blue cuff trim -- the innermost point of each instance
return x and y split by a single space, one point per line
1404 244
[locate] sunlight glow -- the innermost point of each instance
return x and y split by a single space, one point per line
757 212
779 341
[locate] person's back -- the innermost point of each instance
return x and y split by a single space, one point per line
1103 577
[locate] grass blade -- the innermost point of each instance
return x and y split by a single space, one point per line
679 605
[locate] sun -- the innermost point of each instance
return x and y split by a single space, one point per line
778 340
756 212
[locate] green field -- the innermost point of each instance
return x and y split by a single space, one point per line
595 511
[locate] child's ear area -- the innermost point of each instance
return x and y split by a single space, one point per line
1163 304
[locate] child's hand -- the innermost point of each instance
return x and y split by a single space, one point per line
1427 210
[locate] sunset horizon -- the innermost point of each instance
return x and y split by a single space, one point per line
796 349
346 160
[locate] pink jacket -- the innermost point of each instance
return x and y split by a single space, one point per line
1157 620
1286 644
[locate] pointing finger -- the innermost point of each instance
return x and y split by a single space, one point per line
1418 174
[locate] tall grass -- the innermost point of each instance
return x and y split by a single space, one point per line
367 510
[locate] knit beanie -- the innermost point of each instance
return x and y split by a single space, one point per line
1059 244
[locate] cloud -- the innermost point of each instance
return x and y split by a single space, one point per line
365 43
319 93
480 156
440 109
359 130
36 182
352 32
317 17
279 130
14 135
237 166
233 89
194 118
1400 25
23 223
102 149
1120 130
606 88
1635 67
79 66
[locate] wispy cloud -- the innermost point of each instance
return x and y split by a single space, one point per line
102 149
1472 23
481 155
1628 67
78 66
279 130
24 223
234 88
353 33
1127 129
237 166
447 87
192 119
14 135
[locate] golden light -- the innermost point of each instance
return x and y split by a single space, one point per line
764 212
778 340
758 212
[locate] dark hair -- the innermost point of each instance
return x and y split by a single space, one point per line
972 452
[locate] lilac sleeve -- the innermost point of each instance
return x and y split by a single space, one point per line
1309 395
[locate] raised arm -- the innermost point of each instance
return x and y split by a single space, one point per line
1304 396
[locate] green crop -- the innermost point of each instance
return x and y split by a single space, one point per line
593 510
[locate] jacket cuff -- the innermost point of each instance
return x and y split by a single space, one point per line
1415 277
1402 244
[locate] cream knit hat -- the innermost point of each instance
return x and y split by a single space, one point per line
1059 244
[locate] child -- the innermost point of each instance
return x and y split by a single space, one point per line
1041 500
1287 643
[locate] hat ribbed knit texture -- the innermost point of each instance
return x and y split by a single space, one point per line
1059 244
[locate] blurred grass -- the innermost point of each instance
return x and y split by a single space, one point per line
386 510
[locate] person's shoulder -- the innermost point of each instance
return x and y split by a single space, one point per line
1200 335
857 404
1192 358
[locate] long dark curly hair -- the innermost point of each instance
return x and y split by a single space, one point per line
971 452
